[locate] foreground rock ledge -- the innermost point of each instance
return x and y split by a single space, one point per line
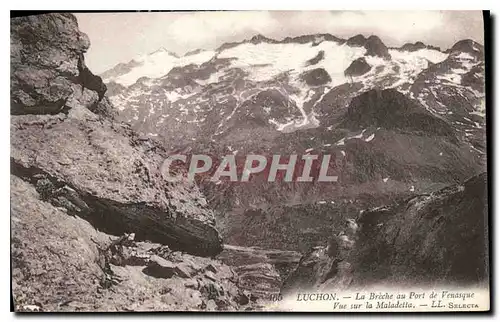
105 173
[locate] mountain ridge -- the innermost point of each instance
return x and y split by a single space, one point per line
315 39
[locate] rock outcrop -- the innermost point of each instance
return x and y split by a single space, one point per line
316 77
390 109
356 41
316 59
468 46
439 237
413 46
358 67
373 45
85 162
49 75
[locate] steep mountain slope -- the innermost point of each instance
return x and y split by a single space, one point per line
428 240
375 162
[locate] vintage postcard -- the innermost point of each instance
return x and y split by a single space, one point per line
305 161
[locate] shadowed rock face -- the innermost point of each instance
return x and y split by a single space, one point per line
358 67
437 237
48 69
375 47
358 40
432 239
316 77
106 174
316 59
468 46
392 110
413 47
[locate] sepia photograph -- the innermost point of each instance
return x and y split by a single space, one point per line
249 161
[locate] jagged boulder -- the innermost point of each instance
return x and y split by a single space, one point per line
358 67
49 74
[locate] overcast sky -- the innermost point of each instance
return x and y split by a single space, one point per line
119 37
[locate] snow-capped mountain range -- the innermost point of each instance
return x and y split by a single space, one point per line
291 77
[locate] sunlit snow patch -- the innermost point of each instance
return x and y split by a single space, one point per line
368 139
159 64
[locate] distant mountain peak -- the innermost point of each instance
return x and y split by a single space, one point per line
163 50
467 46
261 38
417 46
359 40
375 47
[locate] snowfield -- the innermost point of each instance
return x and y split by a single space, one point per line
264 61
158 64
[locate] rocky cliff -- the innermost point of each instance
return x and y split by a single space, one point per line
48 73
94 225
